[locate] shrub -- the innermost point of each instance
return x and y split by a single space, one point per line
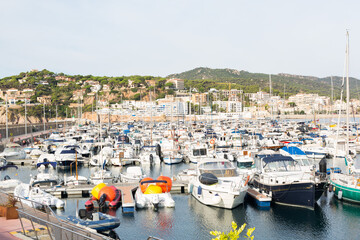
234 234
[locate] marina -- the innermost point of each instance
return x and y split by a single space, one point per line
177 120
199 187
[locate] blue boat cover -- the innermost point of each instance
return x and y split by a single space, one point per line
293 150
277 158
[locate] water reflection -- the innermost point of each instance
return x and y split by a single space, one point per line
213 218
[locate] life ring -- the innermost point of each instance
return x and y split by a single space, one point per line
247 180
212 141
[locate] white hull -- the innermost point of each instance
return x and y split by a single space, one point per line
170 160
208 196
149 200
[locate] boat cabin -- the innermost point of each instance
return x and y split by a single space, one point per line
218 168
279 163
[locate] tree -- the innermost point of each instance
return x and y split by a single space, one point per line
292 104
169 84
136 97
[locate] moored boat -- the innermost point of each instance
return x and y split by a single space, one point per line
219 184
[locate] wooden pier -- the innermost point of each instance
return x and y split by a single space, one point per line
127 198
83 191
80 191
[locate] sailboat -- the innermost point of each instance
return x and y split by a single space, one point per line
346 186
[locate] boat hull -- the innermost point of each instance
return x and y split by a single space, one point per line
295 194
348 194
208 196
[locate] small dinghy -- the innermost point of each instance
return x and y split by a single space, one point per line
95 220
154 193
104 197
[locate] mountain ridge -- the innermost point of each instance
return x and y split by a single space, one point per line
247 80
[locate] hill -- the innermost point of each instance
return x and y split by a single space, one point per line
205 78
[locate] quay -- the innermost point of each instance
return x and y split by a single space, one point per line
83 191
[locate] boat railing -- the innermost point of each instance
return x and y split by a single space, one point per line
54 227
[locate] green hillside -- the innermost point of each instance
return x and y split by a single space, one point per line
205 78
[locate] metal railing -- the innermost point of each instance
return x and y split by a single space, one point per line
56 228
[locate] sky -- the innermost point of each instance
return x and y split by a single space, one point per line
161 37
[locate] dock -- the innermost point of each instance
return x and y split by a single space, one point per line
83 191
261 199
127 198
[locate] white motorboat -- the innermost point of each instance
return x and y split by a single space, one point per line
38 196
218 184
196 152
8 182
67 155
102 176
46 159
36 153
45 179
172 157
13 151
132 174
185 175
104 156
75 180
149 157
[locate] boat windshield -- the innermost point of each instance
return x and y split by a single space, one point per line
219 169
281 166
304 162
199 152
10 150
245 165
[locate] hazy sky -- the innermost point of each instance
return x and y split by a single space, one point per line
160 37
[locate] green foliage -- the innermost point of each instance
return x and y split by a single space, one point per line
253 82
136 96
233 234
169 84
292 104
160 95
134 90
170 92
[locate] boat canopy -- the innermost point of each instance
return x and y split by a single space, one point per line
293 150
277 158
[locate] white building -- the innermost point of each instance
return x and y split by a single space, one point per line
229 106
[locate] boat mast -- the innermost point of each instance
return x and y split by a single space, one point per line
332 98
25 118
270 97
7 124
44 115
347 93
151 119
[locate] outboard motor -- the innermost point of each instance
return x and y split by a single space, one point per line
322 166
158 150
82 213
151 159
102 203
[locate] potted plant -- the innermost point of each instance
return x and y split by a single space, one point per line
8 209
